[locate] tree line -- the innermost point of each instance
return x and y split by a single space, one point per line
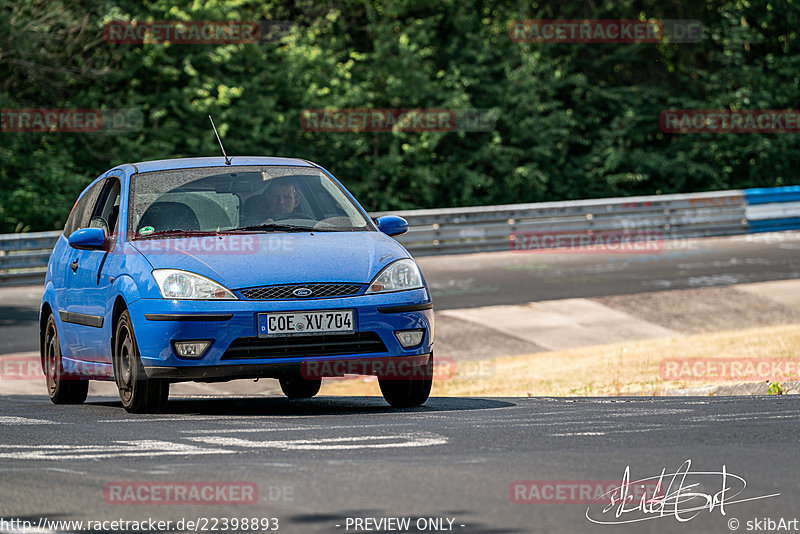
534 121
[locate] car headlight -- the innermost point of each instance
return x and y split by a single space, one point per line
175 284
397 276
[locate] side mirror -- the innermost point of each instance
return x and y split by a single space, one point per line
88 239
392 225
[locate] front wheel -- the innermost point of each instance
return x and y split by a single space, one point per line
63 388
408 392
138 393
297 387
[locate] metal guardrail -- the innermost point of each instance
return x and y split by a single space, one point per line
23 257
494 228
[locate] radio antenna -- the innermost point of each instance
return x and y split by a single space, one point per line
227 161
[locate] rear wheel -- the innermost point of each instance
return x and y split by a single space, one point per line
137 393
63 388
297 387
408 392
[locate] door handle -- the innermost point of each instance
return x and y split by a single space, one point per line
74 266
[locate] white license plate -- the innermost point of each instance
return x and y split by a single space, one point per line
306 322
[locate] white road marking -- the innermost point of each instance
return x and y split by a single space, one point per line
187 418
359 442
13 420
45 468
130 449
285 429
219 445
580 434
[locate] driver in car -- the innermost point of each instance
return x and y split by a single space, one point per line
278 202
282 199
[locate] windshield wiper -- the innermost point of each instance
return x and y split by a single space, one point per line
281 228
175 233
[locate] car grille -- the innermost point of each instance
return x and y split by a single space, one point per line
298 346
287 291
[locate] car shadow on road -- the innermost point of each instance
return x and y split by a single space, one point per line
277 406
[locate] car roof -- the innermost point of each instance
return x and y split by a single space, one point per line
218 161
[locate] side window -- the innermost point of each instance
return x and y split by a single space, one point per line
82 211
106 211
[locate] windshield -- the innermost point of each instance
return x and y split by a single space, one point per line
247 199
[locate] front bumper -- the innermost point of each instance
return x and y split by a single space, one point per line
223 373
158 323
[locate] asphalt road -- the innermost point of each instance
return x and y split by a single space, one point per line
19 311
317 463
453 465
466 281
519 277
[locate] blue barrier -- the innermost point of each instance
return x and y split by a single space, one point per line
766 195
775 225
772 209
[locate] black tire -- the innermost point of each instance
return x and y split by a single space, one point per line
408 392
63 388
137 393
297 387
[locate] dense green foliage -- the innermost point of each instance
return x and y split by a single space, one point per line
575 120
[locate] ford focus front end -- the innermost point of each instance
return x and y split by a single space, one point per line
265 268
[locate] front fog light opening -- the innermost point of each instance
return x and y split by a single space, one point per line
409 338
194 349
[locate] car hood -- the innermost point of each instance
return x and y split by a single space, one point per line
246 260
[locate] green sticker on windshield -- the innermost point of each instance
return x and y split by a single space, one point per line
147 230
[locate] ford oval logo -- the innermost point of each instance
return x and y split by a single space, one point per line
302 292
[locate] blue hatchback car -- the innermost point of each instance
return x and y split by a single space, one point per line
203 270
